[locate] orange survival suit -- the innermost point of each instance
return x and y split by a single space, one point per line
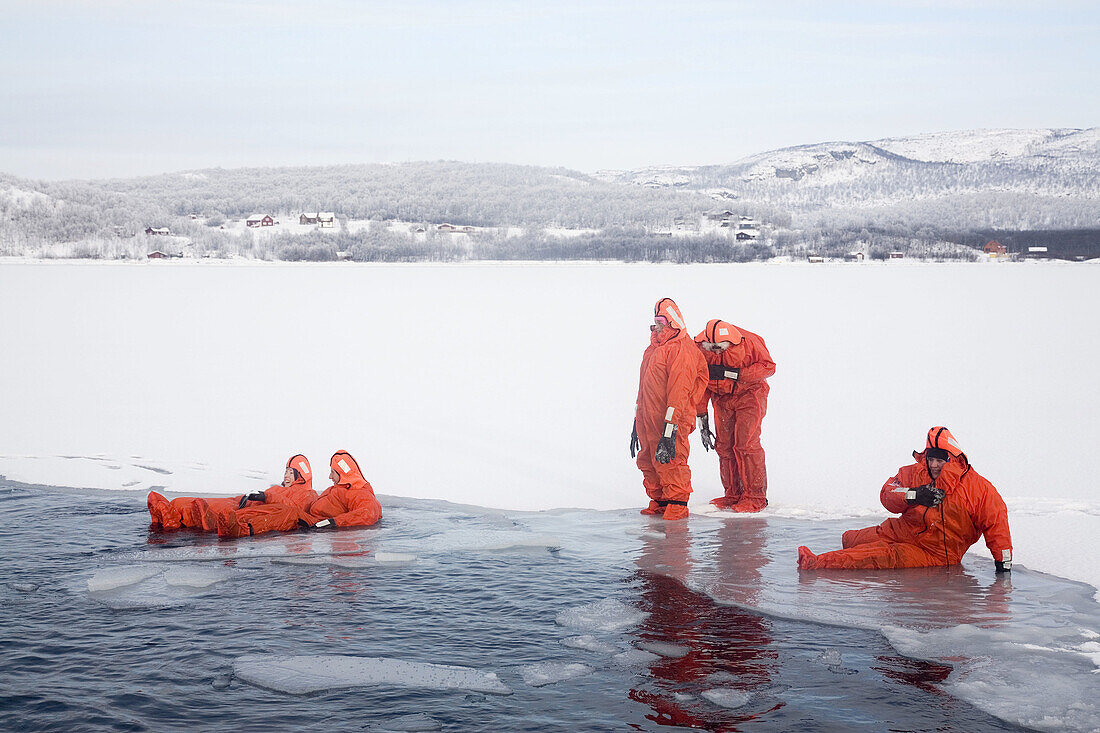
349 502
672 379
189 511
927 535
739 391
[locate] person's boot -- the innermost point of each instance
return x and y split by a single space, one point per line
676 511
655 507
805 558
748 504
725 502
161 512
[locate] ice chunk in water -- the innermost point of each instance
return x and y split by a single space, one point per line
590 644
107 579
299 675
547 673
196 577
606 615
409 724
635 657
24 587
664 649
394 557
727 697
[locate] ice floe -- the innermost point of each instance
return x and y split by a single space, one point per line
727 697
605 615
300 675
547 673
589 643
107 579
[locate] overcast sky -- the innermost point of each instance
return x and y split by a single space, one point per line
104 88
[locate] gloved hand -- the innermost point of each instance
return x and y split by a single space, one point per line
303 524
704 432
666 446
927 495
634 444
1003 567
254 496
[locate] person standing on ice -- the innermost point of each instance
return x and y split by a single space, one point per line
673 377
186 511
945 505
349 502
739 365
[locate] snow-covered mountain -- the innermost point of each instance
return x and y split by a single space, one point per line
1063 163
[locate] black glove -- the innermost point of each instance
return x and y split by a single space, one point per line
666 446
704 432
1003 567
254 496
634 444
927 495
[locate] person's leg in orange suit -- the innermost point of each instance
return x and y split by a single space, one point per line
728 470
871 555
675 478
854 537
748 414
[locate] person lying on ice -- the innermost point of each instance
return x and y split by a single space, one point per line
349 502
739 365
184 511
672 380
945 506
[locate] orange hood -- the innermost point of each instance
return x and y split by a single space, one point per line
346 468
305 475
718 331
667 308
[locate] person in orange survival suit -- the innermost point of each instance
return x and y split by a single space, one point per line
673 377
349 502
945 506
186 511
739 365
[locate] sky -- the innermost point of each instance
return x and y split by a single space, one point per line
109 88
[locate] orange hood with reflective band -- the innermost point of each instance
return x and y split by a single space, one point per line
346 468
305 475
667 308
718 331
941 437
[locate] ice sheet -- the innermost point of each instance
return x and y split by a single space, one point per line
547 673
608 614
300 675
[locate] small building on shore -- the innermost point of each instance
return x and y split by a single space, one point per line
260 220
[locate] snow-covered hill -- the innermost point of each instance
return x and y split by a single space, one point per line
953 167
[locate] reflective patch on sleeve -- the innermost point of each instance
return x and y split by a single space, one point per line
669 413
903 490
669 427
1006 555
344 465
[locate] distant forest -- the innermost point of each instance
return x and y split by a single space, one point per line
530 213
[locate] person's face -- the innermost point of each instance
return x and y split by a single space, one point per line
333 476
716 348
935 465
288 477
659 323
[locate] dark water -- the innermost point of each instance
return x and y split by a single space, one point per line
71 659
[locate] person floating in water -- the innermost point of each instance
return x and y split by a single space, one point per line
945 505
185 512
349 502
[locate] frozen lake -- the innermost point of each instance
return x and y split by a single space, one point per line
456 618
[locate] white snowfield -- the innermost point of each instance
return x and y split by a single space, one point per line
513 385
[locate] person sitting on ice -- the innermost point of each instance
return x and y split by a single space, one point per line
349 502
945 505
185 511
